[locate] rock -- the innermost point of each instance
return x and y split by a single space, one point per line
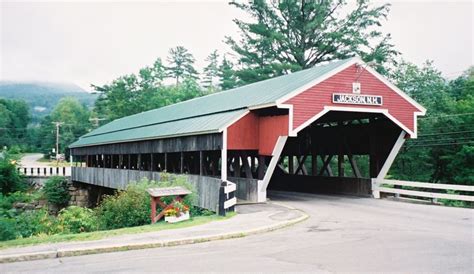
19 205
29 207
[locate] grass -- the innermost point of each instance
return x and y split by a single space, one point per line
54 163
97 235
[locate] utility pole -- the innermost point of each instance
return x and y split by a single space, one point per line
58 124
96 120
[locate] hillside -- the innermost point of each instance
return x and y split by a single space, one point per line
42 97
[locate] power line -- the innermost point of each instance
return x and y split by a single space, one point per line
442 140
444 116
442 144
446 133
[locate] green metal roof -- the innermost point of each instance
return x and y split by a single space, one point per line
205 114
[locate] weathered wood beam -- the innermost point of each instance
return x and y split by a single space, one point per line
291 164
261 167
314 164
201 163
301 166
340 164
326 163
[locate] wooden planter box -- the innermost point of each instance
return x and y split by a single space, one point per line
174 219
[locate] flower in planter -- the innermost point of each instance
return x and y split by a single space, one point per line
171 212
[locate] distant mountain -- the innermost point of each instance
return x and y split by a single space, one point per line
42 97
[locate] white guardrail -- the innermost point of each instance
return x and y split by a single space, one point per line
229 190
377 188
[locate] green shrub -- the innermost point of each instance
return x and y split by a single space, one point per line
76 219
6 202
36 222
171 180
7 229
10 179
56 191
131 207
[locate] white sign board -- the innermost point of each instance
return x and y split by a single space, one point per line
357 99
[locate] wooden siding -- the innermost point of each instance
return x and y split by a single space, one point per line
247 189
243 134
252 132
180 144
312 101
271 127
206 187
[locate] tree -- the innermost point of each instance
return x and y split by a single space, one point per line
211 71
14 119
74 119
292 35
227 77
443 150
181 64
130 94
425 84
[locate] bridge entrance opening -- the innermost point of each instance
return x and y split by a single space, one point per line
338 153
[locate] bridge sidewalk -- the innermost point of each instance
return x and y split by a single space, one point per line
251 219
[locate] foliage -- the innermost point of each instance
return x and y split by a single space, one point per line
76 219
181 64
56 191
7 202
7 229
288 35
177 209
227 75
10 179
36 222
74 119
211 71
171 180
130 207
14 119
443 151
133 94
97 235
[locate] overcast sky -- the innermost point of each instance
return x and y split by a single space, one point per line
98 41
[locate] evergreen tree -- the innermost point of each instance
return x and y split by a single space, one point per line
291 35
181 64
227 78
211 71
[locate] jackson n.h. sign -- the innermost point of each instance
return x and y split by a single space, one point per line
357 99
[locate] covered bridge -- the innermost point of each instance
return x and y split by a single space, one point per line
329 128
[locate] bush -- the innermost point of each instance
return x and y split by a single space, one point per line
36 222
76 219
56 190
10 179
7 229
6 202
170 180
131 207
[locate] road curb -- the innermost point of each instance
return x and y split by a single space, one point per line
60 253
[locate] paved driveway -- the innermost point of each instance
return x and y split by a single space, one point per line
32 160
343 234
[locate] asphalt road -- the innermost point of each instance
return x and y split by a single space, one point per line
31 160
343 234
